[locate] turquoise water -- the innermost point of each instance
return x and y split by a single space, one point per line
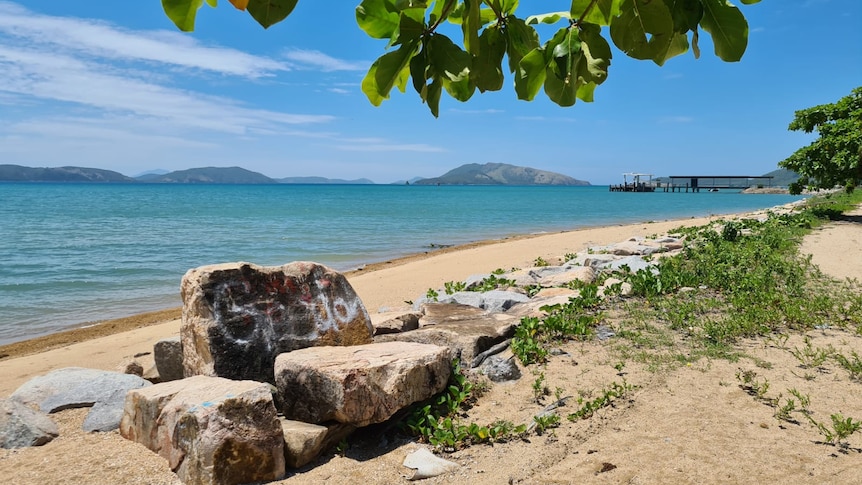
75 253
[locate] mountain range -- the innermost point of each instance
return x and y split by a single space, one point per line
469 174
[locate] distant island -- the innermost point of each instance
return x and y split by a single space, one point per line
500 174
469 174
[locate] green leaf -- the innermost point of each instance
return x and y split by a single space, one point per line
391 69
214 3
507 7
547 18
520 39
411 25
435 89
728 28
182 12
686 14
488 65
471 24
377 18
601 13
270 12
597 54
452 64
750 2
644 30
531 74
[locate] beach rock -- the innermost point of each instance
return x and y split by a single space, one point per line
21 426
303 442
624 286
595 261
395 322
210 430
533 308
131 366
522 277
238 317
75 387
584 274
491 301
501 368
634 263
465 332
168 354
632 248
358 385
426 464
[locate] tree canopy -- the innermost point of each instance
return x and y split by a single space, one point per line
835 158
568 66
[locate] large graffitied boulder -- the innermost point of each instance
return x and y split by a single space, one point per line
237 317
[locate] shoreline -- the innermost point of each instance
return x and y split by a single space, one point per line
376 271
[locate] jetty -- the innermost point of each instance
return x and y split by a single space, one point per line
640 182
643 182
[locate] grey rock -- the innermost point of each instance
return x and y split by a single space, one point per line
635 264
75 387
238 317
500 369
168 354
491 301
21 426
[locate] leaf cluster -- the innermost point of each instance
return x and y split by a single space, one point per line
835 158
568 66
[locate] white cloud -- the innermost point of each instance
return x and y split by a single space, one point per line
311 59
381 145
490 111
103 40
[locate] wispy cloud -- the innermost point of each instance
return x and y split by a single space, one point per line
103 40
311 59
104 72
489 111
554 119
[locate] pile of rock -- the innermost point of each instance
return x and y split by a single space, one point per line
275 364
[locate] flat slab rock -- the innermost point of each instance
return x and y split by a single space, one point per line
210 430
77 387
466 331
358 385
238 317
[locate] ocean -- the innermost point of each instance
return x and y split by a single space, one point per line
77 253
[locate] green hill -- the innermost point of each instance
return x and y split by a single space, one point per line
212 175
500 174
18 173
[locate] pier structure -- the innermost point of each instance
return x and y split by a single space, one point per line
713 183
640 182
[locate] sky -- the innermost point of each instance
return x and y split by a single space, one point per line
115 85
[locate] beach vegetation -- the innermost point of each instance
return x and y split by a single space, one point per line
841 428
852 364
540 262
609 395
490 283
458 46
452 287
437 421
432 294
835 157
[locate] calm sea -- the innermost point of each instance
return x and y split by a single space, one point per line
75 253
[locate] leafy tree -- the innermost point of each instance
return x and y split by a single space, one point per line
836 157
568 66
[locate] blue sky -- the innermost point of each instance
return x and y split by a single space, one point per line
114 85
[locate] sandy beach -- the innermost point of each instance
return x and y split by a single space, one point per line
686 425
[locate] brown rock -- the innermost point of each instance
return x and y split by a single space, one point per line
237 317
395 322
465 330
304 442
211 430
358 385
